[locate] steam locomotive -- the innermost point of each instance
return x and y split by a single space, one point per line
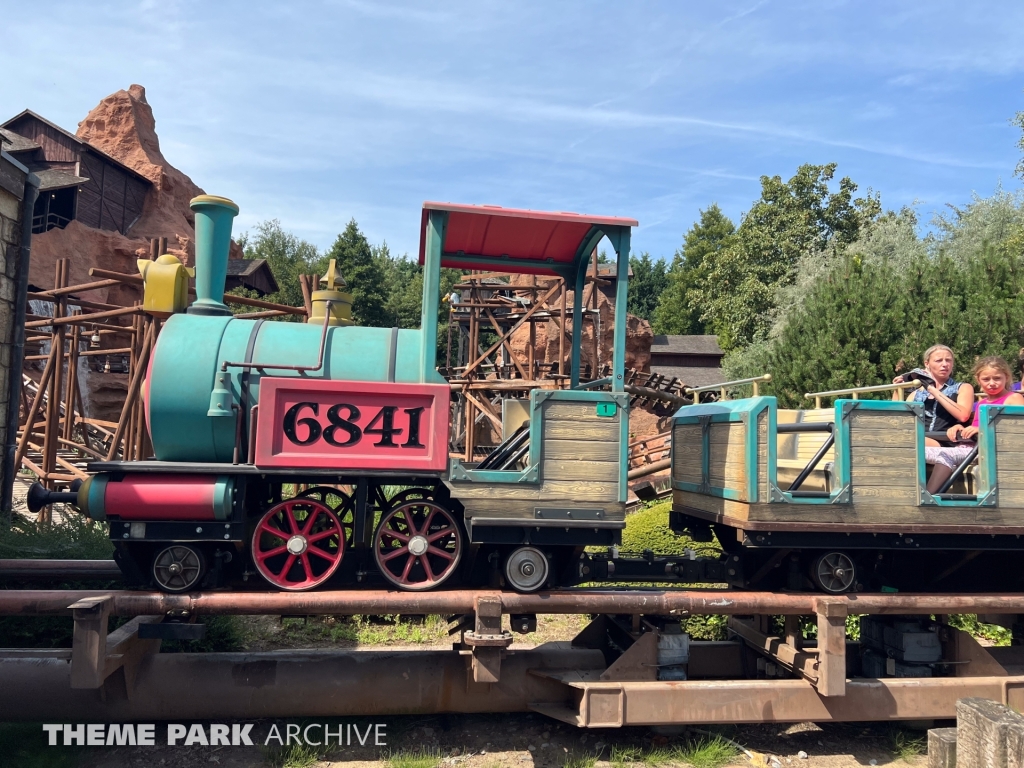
308 453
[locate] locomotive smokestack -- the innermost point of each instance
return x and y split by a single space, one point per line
213 242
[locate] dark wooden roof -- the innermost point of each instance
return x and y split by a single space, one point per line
686 345
691 376
15 142
56 179
251 273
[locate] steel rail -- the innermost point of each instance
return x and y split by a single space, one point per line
60 569
626 601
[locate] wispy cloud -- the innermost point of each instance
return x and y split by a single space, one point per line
320 111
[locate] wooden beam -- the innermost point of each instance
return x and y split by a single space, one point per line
831 647
89 643
59 321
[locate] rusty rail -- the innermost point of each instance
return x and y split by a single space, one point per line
62 569
627 601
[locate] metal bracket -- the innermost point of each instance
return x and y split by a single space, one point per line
456 471
775 495
849 407
990 499
843 496
487 642
549 513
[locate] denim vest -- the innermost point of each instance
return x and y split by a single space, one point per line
937 418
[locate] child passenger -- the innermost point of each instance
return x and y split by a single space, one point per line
993 376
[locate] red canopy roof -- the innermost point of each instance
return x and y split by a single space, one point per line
529 241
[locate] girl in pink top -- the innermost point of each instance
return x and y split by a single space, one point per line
993 376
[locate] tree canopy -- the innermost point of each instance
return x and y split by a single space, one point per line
678 310
646 286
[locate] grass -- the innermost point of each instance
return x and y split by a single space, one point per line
24 745
295 756
906 746
416 758
319 631
74 538
707 752
579 761
704 752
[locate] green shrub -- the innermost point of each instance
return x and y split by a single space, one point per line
74 538
648 529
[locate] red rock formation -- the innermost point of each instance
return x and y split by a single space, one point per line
123 126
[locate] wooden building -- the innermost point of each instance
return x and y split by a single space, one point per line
78 181
254 274
694 360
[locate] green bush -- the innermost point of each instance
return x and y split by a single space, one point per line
74 538
648 529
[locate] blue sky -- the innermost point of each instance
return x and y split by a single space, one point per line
314 113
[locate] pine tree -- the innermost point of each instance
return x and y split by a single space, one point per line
364 276
678 310
648 282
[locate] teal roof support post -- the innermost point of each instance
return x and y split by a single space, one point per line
577 322
431 289
621 303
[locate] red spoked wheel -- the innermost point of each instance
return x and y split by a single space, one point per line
418 545
339 502
298 544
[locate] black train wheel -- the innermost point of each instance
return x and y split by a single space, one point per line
834 572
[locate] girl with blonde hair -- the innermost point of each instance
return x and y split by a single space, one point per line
993 376
947 402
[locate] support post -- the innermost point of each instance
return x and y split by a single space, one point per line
831 648
621 302
434 241
89 644
577 324
487 641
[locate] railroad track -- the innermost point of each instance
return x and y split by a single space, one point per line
120 676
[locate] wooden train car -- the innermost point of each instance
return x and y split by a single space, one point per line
838 497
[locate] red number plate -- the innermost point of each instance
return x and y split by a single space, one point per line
352 425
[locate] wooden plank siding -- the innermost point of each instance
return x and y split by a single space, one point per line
1010 460
763 476
687 449
55 144
580 467
872 483
725 469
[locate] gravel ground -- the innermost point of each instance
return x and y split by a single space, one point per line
524 741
